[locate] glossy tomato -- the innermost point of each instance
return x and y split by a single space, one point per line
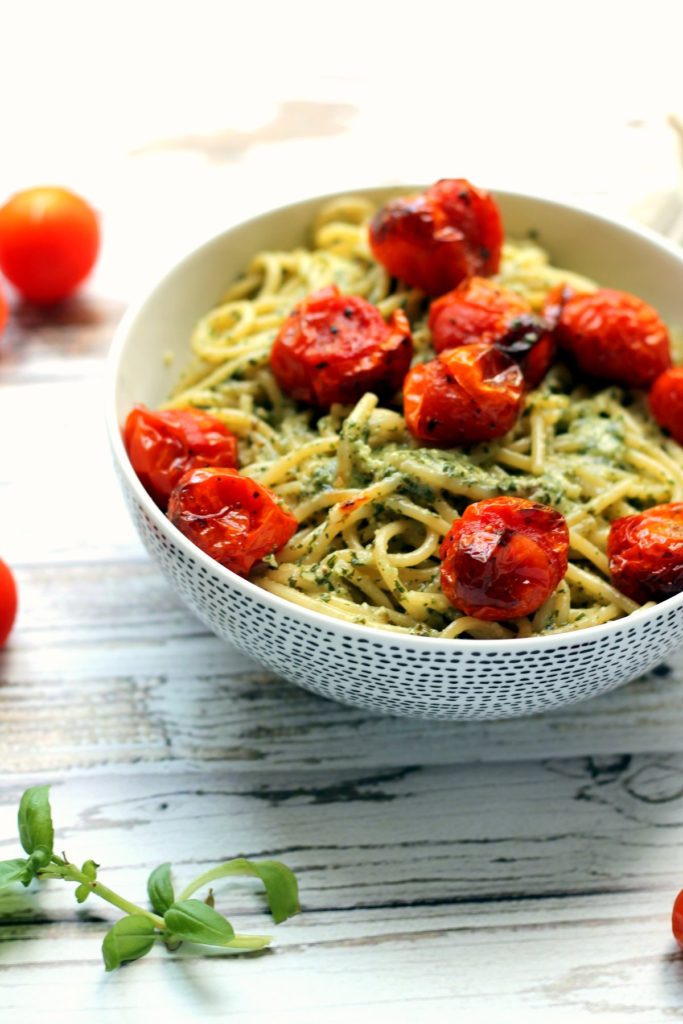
504 558
468 394
163 446
434 240
49 240
479 310
4 312
645 553
230 517
677 919
666 401
334 348
8 601
614 336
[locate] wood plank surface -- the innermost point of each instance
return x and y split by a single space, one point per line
522 869
519 871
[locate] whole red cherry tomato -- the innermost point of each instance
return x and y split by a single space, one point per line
230 517
614 336
4 312
8 601
334 348
434 240
677 919
645 553
666 401
468 394
480 310
504 558
163 446
49 239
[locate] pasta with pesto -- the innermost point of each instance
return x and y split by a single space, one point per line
372 504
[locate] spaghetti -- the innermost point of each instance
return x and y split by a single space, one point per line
372 505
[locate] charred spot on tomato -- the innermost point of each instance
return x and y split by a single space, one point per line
523 333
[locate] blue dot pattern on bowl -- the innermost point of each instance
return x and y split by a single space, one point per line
394 676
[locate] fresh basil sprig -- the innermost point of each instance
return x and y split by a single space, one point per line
172 920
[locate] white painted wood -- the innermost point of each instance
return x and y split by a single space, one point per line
518 871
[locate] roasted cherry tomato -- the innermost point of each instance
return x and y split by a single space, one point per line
230 517
434 240
677 919
468 394
614 336
49 239
504 558
162 446
334 348
480 310
8 601
666 401
645 553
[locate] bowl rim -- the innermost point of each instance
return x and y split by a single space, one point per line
361 632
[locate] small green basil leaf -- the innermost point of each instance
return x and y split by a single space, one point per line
89 869
14 871
280 881
160 888
193 921
35 820
81 892
129 939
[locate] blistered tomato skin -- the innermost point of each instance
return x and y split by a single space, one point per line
614 336
504 558
645 553
666 401
479 310
677 919
434 240
163 446
230 517
468 394
334 348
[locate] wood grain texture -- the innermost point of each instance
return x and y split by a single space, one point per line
517 871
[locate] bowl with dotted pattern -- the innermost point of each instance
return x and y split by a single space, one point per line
393 673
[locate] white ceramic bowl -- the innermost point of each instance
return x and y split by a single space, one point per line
388 672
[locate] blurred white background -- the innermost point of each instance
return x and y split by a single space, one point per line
177 118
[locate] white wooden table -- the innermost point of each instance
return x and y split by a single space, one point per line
512 871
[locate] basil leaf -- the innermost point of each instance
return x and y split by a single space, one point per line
13 871
160 889
129 939
281 885
82 891
89 869
35 820
194 921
